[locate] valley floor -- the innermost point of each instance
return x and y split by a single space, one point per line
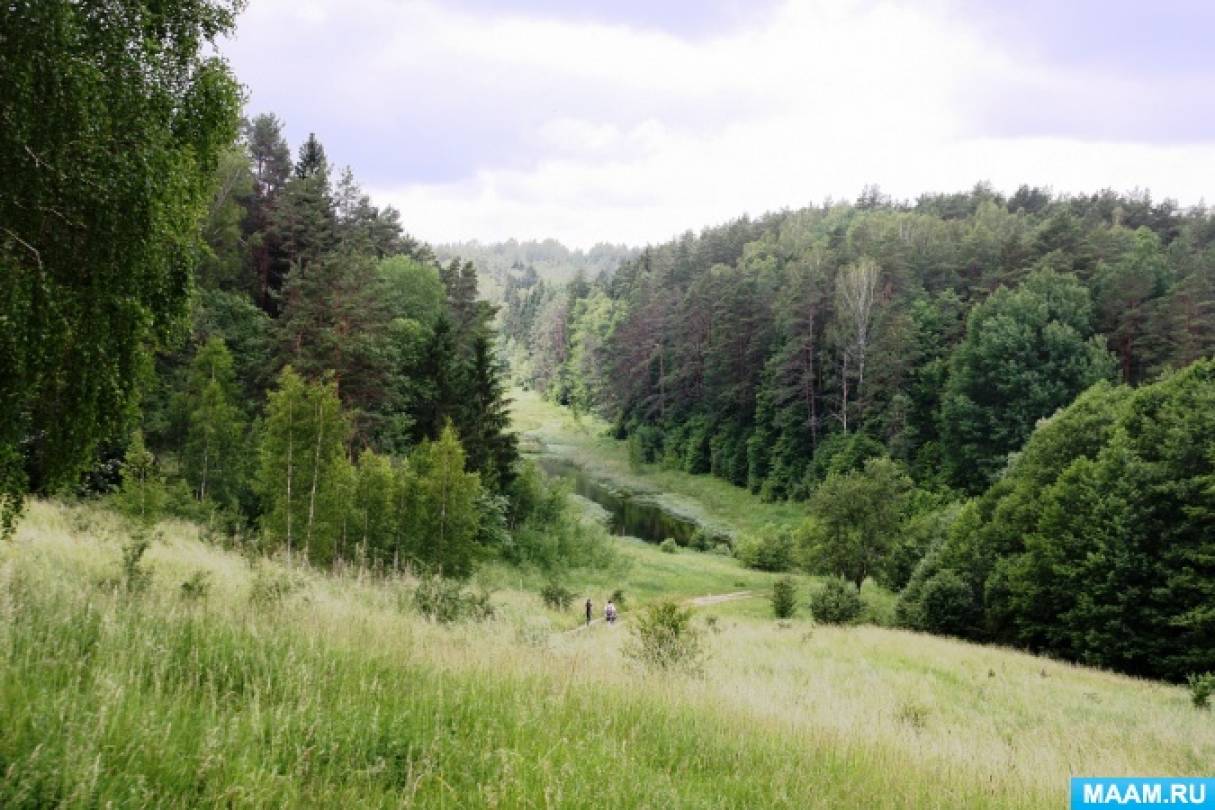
284 687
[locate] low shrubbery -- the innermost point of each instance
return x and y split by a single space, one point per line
556 596
445 600
772 549
836 602
784 597
664 638
1201 688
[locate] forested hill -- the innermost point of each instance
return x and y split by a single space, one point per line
503 265
996 406
939 332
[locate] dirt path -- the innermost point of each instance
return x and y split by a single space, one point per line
696 601
717 598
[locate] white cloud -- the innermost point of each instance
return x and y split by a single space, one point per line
635 136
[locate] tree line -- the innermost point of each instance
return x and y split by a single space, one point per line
892 364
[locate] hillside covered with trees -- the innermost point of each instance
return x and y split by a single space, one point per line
199 321
892 365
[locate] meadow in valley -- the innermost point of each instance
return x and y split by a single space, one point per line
196 676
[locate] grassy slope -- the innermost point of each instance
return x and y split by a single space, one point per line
339 696
703 498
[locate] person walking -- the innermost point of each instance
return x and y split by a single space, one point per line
588 611
609 612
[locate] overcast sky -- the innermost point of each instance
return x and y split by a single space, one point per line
631 121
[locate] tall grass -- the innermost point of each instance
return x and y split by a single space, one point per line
335 694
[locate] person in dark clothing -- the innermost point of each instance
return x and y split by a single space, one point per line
588 611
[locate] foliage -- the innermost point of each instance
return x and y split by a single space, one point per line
856 517
784 597
669 546
445 520
142 495
771 549
1027 352
836 602
135 575
557 596
663 638
1201 688
1096 545
113 119
445 600
215 454
301 465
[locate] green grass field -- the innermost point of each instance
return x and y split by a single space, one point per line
338 694
704 499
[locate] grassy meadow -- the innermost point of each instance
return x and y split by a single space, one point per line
709 501
275 687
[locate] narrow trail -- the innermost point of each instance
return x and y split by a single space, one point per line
696 601
717 599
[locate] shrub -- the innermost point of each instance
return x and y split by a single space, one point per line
1201 688
668 546
197 587
784 597
770 550
948 604
135 577
444 600
837 602
617 598
663 638
556 596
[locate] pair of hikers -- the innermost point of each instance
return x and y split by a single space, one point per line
609 612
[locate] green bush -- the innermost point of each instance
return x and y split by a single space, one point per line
947 604
444 600
837 602
772 549
668 546
784 597
664 638
556 596
1201 688
617 598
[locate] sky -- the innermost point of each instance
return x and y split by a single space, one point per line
628 121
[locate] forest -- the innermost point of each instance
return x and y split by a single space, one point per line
228 332
996 405
883 502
